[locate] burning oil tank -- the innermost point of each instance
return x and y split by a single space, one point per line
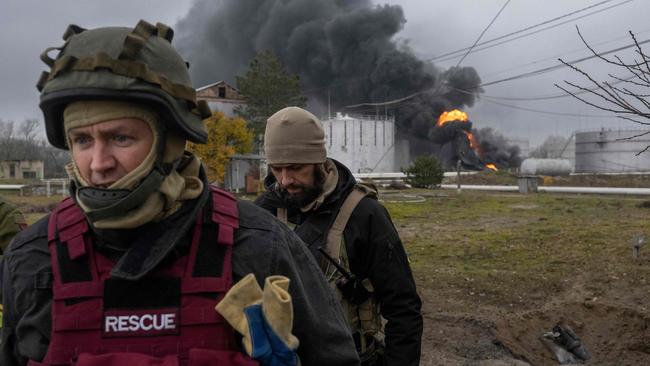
453 132
607 151
363 143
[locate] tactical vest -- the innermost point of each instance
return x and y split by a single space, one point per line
364 320
167 318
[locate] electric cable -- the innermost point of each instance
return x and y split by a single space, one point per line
566 53
547 112
557 67
454 54
483 32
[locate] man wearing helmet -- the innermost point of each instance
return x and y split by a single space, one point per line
129 269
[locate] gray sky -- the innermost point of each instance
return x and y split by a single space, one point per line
433 27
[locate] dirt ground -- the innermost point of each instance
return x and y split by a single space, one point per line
496 271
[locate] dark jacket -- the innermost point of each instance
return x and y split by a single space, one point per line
11 222
263 246
375 252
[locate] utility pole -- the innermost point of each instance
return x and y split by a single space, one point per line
458 165
329 104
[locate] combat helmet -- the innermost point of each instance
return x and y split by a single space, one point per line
120 63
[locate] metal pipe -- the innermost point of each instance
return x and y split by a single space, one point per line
590 190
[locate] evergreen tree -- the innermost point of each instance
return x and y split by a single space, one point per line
268 87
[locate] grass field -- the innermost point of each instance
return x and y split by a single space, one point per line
467 239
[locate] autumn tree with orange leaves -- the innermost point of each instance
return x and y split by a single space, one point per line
226 136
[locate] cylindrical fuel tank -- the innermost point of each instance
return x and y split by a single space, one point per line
612 152
533 166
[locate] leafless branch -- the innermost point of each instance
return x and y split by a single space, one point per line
633 137
642 151
640 51
634 120
628 80
612 98
586 101
629 101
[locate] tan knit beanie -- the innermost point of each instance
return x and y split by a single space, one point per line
294 136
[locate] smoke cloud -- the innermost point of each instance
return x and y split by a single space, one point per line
494 148
344 48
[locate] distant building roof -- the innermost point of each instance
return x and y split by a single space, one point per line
220 91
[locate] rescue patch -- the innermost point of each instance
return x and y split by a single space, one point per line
140 322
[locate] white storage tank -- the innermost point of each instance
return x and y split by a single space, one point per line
362 143
612 152
533 166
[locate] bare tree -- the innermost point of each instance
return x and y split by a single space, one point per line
550 148
6 130
626 95
28 129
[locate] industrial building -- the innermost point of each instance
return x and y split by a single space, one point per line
608 151
363 143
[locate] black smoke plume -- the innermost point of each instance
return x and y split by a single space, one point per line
344 48
451 143
494 148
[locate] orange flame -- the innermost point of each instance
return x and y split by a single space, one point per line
472 141
453 115
492 167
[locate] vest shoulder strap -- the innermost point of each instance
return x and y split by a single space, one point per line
224 207
335 234
69 224
281 214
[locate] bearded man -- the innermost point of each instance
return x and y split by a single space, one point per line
344 226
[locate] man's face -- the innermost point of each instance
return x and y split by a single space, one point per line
107 151
298 184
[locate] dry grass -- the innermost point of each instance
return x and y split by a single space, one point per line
506 246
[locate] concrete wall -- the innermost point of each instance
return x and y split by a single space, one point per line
363 144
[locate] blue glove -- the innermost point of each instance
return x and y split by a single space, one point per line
267 346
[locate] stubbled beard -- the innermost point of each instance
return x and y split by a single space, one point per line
301 199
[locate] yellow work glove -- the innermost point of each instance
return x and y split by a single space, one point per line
263 318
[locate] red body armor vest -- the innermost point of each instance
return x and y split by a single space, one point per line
169 319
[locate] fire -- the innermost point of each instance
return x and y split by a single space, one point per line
453 115
472 141
492 167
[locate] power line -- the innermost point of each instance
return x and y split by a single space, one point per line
540 111
483 32
454 54
565 53
537 31
557 67
550 96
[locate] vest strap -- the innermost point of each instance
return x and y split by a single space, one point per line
281 214
335 234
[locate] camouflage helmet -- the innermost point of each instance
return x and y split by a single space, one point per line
119 63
